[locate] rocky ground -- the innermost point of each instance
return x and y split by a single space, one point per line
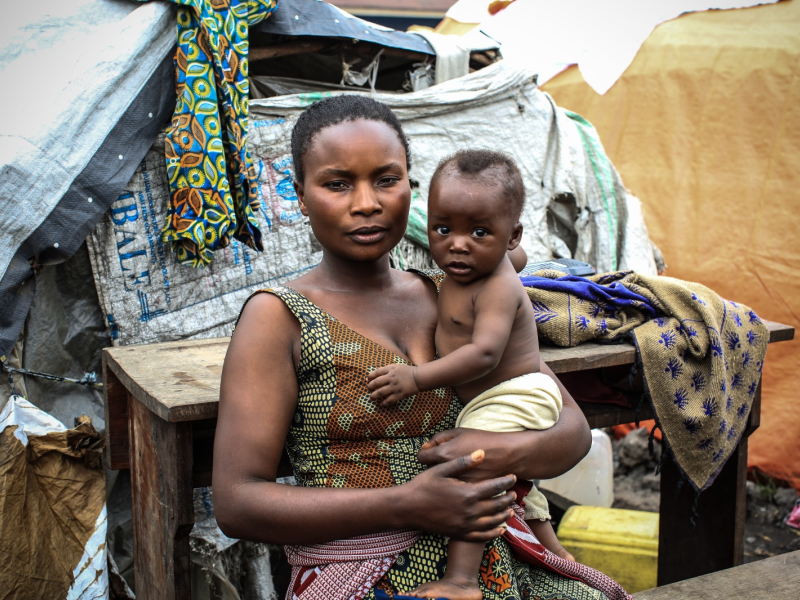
637 487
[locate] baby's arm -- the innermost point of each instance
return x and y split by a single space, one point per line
495 310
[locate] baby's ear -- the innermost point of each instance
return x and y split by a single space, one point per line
516 236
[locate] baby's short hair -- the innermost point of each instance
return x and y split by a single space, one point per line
486 164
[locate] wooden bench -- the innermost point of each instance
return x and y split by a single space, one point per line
776 578
161 407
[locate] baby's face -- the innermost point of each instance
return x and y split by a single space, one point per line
469 227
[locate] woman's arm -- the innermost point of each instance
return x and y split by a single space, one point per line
258 398
528 454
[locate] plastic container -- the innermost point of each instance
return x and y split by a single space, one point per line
623 544
591 481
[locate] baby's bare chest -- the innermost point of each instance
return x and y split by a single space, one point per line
456 319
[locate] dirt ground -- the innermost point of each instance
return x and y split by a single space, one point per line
637 487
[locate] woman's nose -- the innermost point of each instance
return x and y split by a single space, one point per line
365 200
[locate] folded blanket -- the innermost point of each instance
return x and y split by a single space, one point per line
701 355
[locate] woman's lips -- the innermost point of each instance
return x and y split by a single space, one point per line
368 235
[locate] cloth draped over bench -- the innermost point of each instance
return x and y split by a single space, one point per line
701 356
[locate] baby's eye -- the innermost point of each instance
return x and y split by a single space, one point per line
441 229
480 232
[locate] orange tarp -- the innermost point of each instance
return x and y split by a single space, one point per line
704 127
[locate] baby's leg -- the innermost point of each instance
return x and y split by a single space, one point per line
460 581
543 531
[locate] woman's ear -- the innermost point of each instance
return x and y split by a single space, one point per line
516 236
301 199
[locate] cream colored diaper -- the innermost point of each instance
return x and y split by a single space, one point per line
530 401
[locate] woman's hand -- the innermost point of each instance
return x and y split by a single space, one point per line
446 446
439 501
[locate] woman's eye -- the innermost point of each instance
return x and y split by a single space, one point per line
386 181
336 185
441 229
479 233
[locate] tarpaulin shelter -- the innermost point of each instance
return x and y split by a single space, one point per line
704 126
576 205
69 144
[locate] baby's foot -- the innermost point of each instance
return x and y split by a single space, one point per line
448 589
561 552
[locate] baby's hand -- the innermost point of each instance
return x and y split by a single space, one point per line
388 385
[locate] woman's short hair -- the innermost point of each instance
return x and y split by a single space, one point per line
483 164
334 110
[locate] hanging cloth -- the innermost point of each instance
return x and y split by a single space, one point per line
212 179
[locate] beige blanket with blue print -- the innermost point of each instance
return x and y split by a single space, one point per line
701 355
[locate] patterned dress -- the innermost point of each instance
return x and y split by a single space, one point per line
338 438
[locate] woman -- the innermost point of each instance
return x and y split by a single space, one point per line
295 375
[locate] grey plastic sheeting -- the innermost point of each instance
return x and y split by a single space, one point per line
73 69
74 216
320 19
65 335
108 63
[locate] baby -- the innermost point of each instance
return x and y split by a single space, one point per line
486 333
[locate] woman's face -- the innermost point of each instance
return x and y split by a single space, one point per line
356 191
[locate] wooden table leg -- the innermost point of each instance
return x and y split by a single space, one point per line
717 540
163 515
116 413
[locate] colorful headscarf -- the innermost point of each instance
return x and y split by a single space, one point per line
212 179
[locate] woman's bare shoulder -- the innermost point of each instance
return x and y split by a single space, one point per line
417 282
263 308
266 326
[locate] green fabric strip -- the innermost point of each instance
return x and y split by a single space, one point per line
604 173
417 230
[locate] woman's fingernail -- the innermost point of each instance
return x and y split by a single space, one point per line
477 454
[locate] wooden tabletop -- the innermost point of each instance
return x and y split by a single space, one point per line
776 578
179 381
